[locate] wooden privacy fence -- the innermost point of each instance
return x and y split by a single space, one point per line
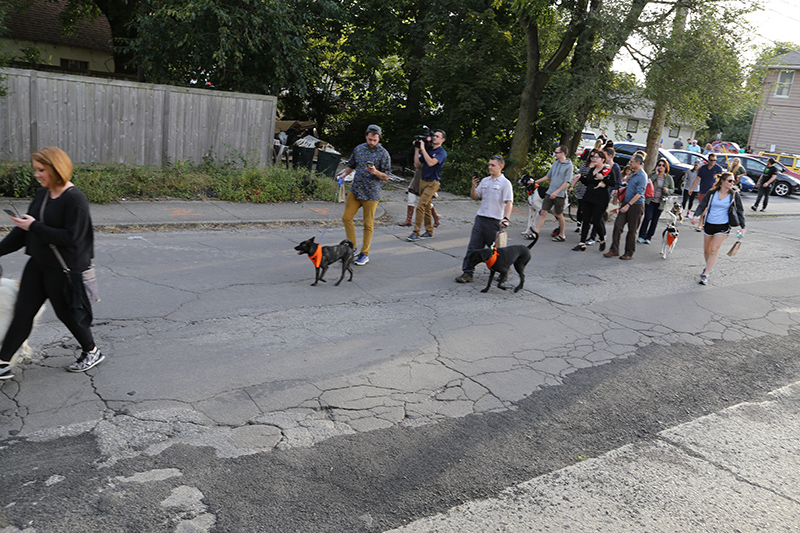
106 121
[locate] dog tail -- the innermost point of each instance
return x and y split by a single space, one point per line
348 242
534 241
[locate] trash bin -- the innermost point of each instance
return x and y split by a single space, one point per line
302 157
327 163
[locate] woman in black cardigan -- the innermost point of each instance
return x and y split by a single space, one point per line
66 224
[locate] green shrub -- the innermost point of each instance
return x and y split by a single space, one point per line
17 181
109 183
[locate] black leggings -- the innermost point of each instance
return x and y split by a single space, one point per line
593 213
688 197
40 283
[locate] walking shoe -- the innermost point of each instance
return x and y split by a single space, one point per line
86 361
626 257
647 241
610 254
753 207
640 240
361 260
590 242
464 278
703 279
426 235
5 371
411 238
763 208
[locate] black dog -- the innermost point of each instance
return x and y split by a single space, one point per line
500 260
324 256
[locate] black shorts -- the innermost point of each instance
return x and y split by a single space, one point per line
716 229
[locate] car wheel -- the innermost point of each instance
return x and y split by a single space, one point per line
782 189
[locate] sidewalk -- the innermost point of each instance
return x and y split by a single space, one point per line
180 214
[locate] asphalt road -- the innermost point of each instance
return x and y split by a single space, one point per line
236 397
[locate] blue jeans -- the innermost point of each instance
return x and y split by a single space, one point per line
651 215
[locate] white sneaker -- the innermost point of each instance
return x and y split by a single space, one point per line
86 361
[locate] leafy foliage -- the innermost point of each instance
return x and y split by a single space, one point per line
103 184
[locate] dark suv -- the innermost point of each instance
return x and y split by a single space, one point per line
676 168
784 184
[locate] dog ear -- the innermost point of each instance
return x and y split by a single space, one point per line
311 240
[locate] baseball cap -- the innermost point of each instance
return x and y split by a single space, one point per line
372 128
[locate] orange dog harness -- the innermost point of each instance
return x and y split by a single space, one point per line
316 257
492 259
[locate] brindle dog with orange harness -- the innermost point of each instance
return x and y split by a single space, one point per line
324 256
500 260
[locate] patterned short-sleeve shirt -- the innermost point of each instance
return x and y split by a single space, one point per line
365 185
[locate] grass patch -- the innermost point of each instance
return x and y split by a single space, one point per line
104 184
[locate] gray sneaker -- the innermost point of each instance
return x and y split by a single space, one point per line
86 361
5 371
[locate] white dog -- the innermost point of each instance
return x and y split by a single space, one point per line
9 289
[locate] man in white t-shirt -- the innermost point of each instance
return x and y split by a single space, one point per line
497 199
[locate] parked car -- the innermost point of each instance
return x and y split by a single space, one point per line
779 166
677 169
784 183
688 158
746 184
791 161
725 147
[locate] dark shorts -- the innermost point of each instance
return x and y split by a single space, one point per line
716 229
556 206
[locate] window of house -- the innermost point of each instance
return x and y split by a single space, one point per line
674 131
784 84
633 125
74 64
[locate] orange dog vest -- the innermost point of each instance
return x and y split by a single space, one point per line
492 259
316 257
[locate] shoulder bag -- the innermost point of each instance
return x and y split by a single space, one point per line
88 277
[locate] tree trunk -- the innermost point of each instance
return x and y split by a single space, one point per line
654 136
535 81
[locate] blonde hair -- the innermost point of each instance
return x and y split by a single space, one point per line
57 161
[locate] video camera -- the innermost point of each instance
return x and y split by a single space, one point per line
426 137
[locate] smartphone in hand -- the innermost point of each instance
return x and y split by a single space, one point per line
12 213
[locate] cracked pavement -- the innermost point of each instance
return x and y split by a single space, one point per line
216 340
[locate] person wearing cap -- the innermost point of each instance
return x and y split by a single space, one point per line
431 165
371 163
693 147
630 210
58 215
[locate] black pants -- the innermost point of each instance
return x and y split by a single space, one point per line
40 283
763 192
484 233
688 197
593 214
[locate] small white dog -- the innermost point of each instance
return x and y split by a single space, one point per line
9 289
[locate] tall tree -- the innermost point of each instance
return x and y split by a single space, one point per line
691 67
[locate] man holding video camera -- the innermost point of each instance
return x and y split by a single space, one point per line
431 160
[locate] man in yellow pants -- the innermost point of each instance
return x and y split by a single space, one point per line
371 163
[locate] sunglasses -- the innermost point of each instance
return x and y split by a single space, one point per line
730 181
